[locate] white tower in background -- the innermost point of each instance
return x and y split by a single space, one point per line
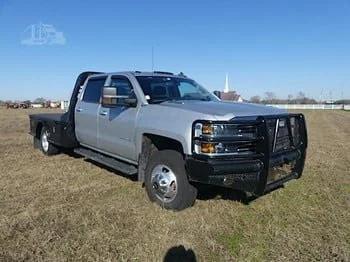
226 89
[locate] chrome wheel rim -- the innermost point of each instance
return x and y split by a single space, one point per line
44 141
164 183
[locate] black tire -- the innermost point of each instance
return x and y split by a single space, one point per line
49 149
185 192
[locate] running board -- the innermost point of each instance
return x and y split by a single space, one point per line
111 162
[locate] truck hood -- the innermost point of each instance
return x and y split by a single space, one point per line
224 110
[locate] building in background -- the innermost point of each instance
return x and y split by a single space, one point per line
227 94
55 104
64 105
37 105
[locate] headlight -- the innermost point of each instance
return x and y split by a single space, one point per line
224 130
224 138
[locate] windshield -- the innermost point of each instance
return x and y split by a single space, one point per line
160 89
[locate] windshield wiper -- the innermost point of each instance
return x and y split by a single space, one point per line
158 101
207 98
172 99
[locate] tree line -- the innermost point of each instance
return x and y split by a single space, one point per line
300 98
39 100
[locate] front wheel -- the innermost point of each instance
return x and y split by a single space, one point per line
166 181
46 147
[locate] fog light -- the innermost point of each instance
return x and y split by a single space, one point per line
208 148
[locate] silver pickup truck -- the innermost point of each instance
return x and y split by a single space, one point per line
172 133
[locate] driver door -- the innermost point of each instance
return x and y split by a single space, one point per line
116 123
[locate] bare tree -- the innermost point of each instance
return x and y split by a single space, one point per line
255 99
300 95
39 100
270 97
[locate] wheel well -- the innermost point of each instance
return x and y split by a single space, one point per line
38 130
162 142
151 143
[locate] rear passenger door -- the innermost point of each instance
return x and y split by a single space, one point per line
86 112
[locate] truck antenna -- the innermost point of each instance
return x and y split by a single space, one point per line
152 58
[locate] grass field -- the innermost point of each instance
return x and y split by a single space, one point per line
64 208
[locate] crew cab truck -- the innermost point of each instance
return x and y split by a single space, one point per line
171 132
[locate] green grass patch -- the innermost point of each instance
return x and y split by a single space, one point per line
233 242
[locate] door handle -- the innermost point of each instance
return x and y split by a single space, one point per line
79 110
103 113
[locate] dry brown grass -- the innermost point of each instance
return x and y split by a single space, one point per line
65 208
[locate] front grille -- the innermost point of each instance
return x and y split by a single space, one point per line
244 141
242 149
254 138
246 131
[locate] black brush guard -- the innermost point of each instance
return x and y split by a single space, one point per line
251 173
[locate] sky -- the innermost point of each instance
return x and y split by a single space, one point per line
277 46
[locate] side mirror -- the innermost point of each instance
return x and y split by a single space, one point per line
111 98
132 102
217 93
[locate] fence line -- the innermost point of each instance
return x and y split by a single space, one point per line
311 106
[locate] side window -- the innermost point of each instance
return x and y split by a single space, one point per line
93 90
124 89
